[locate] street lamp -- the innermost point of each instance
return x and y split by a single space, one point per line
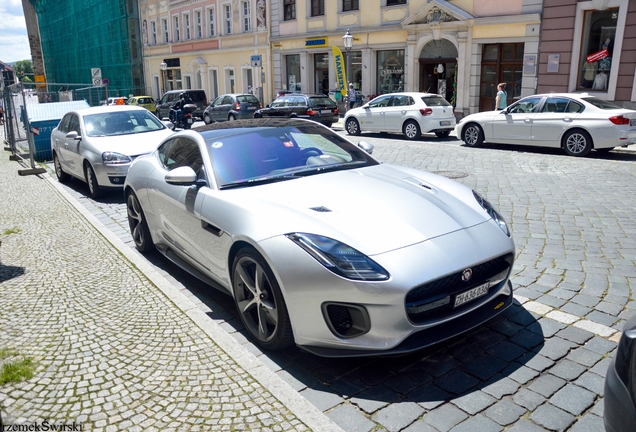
163 66
347 39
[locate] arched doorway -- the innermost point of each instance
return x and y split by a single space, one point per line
436 79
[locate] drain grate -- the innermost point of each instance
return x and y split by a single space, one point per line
451 174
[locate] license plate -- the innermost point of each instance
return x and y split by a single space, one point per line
472 294
325 111
445 123
189 120
251 108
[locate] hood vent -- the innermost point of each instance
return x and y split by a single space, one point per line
321 209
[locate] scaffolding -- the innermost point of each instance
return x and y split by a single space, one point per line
85 34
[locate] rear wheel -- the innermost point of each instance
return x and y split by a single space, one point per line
577 143
62 177
352 126
473 135
411 130
231 117
207 119
442 134
91 179
138 225
260 301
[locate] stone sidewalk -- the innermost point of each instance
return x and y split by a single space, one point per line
116 346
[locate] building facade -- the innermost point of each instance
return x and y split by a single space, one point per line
220 46
590 46
461 49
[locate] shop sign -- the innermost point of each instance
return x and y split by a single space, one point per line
316 42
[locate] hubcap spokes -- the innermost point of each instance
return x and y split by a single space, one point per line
576 143
255 301
134 217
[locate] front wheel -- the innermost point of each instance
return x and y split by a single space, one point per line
138 225
207 119
577 143
473 135
260 301
91 179
62 177
411 130
352 127
442 134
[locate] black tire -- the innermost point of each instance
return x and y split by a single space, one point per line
259 301
138 225
411 130
442 134
352 126
186 125
258 116
62 177
91 179
473 135
577 143
231 117
207 119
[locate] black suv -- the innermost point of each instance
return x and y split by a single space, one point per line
198 98
316 107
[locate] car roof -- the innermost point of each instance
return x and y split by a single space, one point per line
412 94
269 122
108 109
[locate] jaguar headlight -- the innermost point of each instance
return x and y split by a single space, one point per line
494 214
339 258
112 158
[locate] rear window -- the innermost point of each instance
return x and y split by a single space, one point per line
247 99
198 96
435 101
600 103
146 100
321 102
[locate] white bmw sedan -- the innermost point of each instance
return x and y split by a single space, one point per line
411 114
575 122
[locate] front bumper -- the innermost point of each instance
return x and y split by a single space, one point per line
307 286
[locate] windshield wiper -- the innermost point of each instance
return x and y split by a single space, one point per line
259 181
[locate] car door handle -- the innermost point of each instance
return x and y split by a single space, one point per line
527 120
567 119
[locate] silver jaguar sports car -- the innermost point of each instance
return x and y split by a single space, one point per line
319 244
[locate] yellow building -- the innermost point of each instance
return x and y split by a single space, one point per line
219 46
461 49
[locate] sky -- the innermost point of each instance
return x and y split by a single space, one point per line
14 42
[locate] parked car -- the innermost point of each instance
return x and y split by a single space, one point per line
575 122
410 114
98 144
198 98
620 384
257 208
143 101
230 107
316 107
116 100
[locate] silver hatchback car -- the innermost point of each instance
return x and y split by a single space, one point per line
98 144
411 114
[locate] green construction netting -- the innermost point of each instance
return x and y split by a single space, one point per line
78 35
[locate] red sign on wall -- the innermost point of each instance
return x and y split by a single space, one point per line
597 56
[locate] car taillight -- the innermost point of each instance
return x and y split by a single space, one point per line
426 111
619 120
238 106
311 112
336 111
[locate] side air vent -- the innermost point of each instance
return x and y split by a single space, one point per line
321 209
346 320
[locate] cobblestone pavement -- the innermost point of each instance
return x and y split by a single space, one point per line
113 350
541 364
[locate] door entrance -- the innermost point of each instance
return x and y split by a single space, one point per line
438 80
321 73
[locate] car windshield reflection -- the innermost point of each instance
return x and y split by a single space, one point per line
246 157
121 123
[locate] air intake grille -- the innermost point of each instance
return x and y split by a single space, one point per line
340 318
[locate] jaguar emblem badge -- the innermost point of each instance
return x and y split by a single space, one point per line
467 274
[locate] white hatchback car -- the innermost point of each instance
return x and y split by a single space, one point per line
575 122
98 144
411 114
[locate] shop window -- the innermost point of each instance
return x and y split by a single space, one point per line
350 5
289 10
292 63
395 2
597 47
390 71
317 7
500 63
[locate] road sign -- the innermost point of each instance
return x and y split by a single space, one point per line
96 72
105 81
97 81
256 61
36 131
